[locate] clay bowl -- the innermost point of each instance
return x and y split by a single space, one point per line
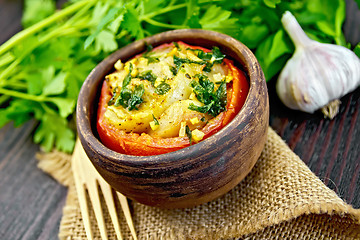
193 175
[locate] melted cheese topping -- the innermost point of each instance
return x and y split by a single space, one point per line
169 109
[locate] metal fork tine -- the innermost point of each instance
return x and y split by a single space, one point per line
125 207
80 189
109 199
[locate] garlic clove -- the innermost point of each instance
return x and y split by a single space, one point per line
317 73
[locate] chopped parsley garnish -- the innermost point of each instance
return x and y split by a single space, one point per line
173 70
177 46
162 88
151 59
127 79
149 76
135 98
147 54
180 61
149 47
206 56
155 120
208 59
214 101
217 54
188 133
128 98
113 98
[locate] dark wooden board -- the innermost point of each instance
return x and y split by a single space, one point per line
31 202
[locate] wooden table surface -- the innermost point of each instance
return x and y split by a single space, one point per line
31 202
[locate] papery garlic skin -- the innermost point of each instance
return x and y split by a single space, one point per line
317 73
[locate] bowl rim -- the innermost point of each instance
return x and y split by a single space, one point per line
253 73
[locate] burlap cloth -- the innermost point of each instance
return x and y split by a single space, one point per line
280 199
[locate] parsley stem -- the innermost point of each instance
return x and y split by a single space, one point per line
23 95
17 85
64 30
122 34
4 99
6 59
47 109
170 8
8 70
42 24
79 16
163 10
160 24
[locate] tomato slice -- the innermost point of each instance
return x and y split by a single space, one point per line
239 92
144 144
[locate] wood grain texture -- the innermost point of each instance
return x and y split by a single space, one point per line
31 202
331 148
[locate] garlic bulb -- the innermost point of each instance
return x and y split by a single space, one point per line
318 74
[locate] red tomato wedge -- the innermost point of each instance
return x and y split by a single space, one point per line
144 144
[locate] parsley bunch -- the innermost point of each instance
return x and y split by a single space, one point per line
42 67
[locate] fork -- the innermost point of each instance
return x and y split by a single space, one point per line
87 178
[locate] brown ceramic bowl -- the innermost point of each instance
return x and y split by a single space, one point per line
193 175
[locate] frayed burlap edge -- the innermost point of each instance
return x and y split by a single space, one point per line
59 166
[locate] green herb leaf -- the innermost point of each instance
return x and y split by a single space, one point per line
128 98
334 11
214 101
148 75
201 109
132 23
56 86
162 88
272 3
273 53
125 93
217 54
188 133
218 19
20 111
206 56
36 10
151 59
209 58
65 105
105 40
358 3
180 61
357 50
113 97
135 98
177 46
54 129
110 16
192 14
155 120
148 54
127 79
